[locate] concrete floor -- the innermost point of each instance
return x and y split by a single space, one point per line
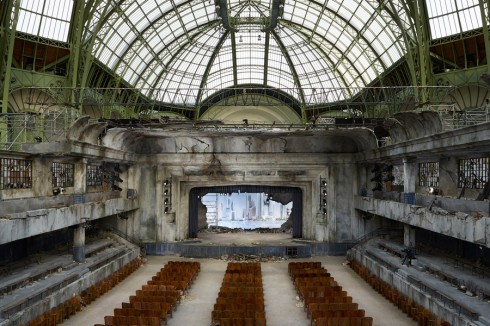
282 308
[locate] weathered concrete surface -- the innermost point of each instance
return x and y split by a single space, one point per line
29 223
424 288
411 125
85 281
190 140
79 149
18 205
460 225
462 141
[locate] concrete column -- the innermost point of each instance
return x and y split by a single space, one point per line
410 178
410 175
448 177
80 185
408 235
342 185
79 244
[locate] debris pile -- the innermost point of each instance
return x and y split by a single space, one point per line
224 229
251 258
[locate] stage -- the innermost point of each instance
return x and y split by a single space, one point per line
221 245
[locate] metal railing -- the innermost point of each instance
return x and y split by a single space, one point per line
454 118
29 127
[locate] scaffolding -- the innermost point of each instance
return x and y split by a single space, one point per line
33 127
454 118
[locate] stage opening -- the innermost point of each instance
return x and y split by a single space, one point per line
247 211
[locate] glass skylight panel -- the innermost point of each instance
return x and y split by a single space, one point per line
49 19
470 19
168 28
347 77
279 71
153 75
104 54
452 17
346 10
151 10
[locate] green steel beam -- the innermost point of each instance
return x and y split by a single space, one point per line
5 15
410 43
56 62
266 56
93 7
282 47
485 15
180 49
233 58
446 61
208 68
299 29
10 27
422 28
174 9
75 42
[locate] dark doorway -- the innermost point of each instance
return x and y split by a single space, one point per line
296 212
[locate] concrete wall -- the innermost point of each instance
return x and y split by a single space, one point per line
458 225
187 171
29 223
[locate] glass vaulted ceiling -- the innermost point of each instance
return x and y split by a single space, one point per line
164 46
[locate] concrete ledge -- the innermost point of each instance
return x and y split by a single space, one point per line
85 281
198 250
27 224
460 226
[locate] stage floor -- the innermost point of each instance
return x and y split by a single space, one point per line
245 238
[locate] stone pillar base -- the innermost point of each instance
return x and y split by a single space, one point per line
79 254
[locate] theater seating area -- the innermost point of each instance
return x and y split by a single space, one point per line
63 311
324 301
238 293
157 299
240 301
417 312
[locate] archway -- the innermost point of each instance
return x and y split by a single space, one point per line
296 193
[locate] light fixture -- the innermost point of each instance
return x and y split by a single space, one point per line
259 38
167 195
323 195
240 39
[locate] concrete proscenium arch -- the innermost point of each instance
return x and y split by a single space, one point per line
296 212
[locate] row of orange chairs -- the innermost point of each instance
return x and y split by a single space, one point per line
68 308
177 274
240 301
324 301
57 314
95 291
417 312
157 299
